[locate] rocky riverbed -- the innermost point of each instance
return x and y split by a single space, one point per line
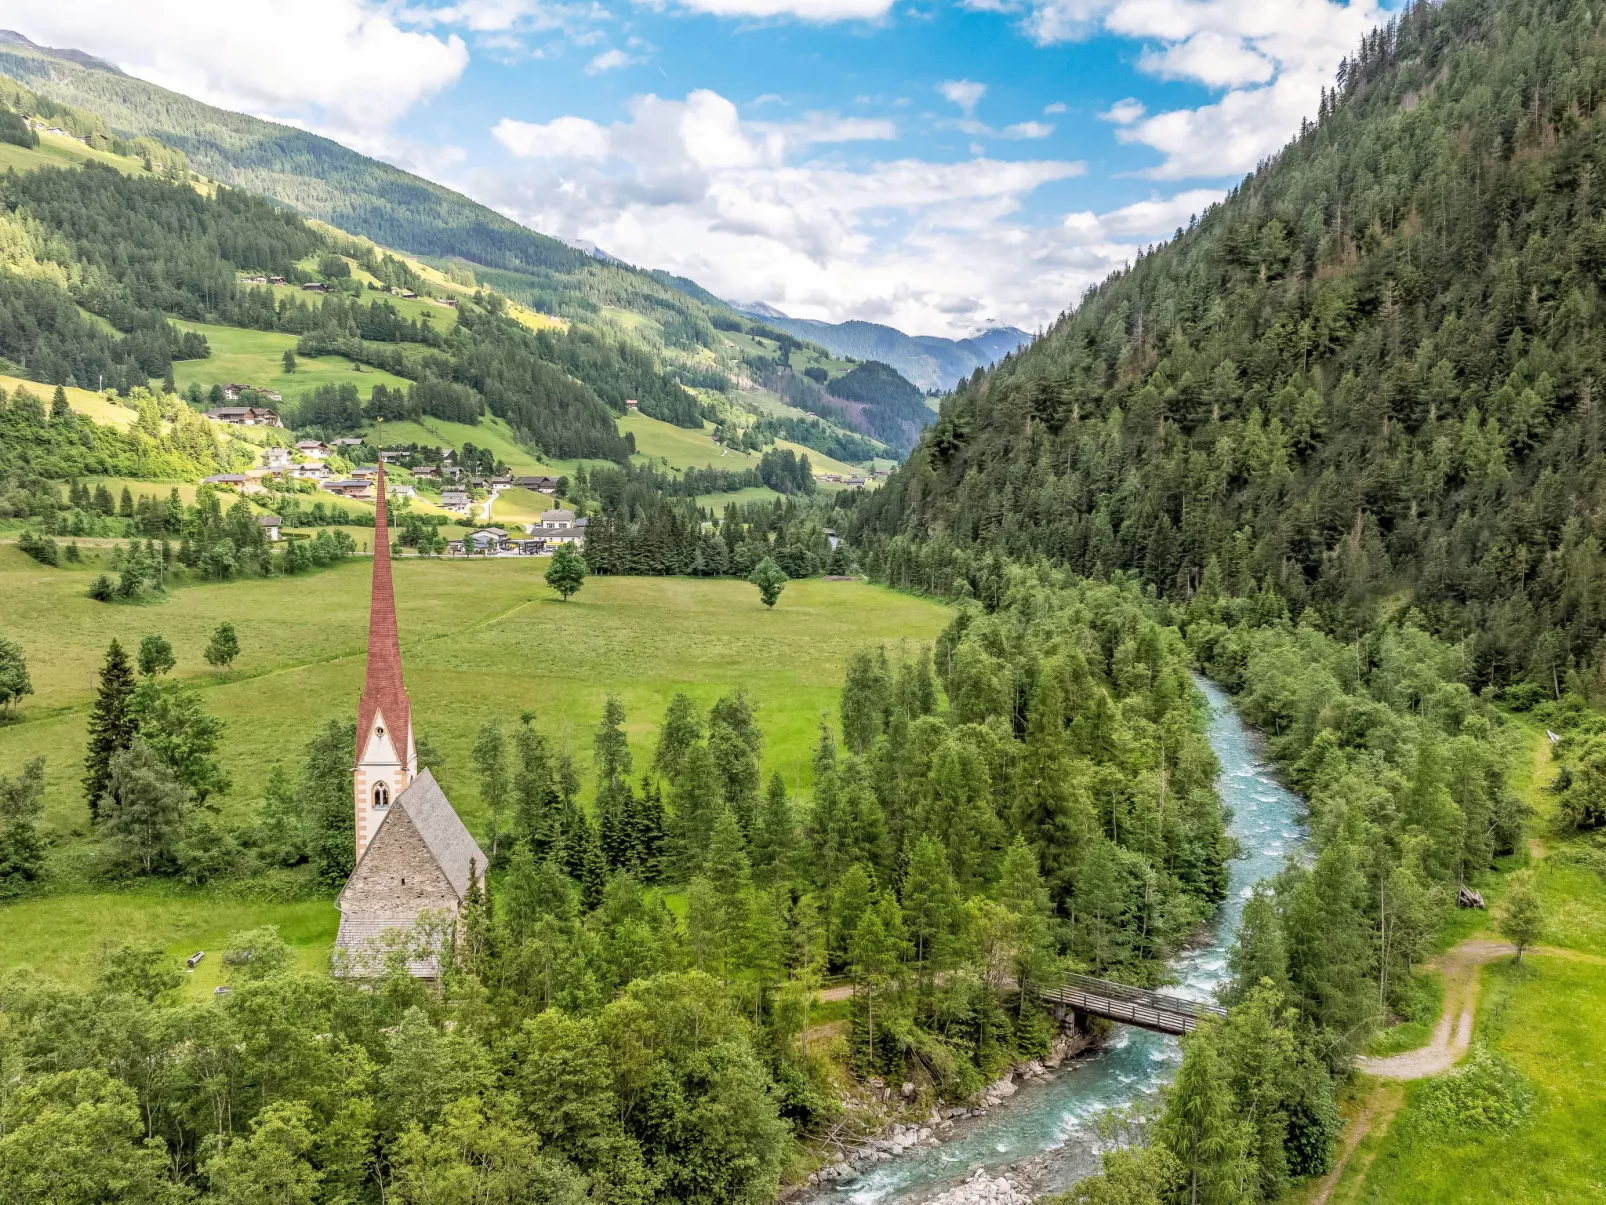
940 1125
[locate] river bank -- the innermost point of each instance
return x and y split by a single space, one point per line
1038 1138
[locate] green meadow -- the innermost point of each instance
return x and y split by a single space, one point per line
256 358
55 150
479 639
1546 1016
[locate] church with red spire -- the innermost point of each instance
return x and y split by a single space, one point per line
416 862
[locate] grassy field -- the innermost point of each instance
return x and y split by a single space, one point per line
479 639
255 358
55 151
657 441
83 401
63 934
514 507
489 432
442 317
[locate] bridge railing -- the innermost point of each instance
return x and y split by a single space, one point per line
1122 1002
1139 995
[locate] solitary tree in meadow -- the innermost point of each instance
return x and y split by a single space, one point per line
770 579
14 681
1523 922
567 572
155 656
289 361
224 646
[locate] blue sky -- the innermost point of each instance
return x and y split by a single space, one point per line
933 165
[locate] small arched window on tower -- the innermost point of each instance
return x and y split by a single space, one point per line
381 796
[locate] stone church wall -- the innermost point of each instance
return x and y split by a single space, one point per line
397 875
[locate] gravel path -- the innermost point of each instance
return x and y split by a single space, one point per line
1453 1034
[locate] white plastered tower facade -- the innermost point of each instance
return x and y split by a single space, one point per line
383 772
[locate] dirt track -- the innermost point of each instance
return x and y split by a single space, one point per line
1453 1034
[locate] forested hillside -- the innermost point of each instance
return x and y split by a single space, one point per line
321 179
135 252
1371 378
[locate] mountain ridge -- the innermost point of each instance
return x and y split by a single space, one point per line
931 362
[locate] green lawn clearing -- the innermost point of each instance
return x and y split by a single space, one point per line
54 150
480 638
64 934
658 441
256 358
490 432
517 506
83 401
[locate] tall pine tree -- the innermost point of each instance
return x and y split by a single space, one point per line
111 724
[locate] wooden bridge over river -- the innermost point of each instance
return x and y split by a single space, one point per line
1129 1005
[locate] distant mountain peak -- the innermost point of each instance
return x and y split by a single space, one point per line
10 37
929 361
761 308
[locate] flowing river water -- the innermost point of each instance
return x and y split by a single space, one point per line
1047 1125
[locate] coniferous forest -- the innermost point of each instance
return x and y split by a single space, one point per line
1335 445
1369 378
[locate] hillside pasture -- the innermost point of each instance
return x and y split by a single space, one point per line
479 638
83 401
256 358
490 432
54 150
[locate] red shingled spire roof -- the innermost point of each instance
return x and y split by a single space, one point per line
383 690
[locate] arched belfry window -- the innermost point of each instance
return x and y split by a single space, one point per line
381 795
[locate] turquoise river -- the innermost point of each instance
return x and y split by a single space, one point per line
1045 1130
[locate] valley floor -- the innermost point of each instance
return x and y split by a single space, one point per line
479 639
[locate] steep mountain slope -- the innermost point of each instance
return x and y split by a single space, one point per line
1369 380
927 360
321 179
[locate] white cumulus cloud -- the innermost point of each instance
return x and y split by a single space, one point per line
348 67
767 211
609 60
1268 58
1028 129
821 11
965 93
1124 112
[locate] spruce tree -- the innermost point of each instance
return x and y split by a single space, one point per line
695 800
727 865
490 764
682 728
649 831
535 792
774 836
930 902
111 724
1201 1128
22 850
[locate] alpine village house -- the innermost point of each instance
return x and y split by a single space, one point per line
416 863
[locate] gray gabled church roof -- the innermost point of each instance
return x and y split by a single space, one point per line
438 824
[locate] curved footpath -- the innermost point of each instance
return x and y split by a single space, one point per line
1452 1037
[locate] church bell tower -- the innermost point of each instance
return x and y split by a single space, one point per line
387 757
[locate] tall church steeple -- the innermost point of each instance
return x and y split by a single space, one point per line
387 757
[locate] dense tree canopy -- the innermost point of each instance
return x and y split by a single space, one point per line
1376 367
